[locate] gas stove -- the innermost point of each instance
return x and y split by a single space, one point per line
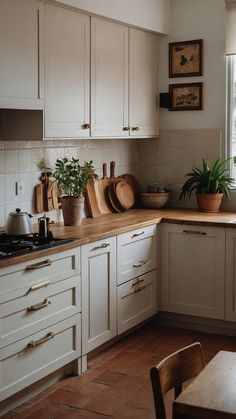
12 246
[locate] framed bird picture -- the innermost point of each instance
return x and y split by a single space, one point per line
185 58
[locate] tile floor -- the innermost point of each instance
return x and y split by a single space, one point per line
117 383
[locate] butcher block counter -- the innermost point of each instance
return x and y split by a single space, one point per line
93 229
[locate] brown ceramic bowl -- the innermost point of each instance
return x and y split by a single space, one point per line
154 200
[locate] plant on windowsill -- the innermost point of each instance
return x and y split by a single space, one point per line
72 178
211 183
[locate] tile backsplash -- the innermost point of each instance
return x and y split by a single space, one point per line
165 160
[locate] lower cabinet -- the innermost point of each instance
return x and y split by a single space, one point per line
98 293
230 289
136 301
41 353
193 270
40 319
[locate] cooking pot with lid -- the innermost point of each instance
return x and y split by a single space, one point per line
19 223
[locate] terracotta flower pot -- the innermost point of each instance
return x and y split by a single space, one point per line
209 202
72 210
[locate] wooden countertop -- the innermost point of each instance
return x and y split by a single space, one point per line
93 229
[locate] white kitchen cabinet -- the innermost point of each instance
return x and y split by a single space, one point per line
124 81
193 270
98 293
136 301
21 52
136 253
67 73
144 84
230 289
136 277
40 319
109 79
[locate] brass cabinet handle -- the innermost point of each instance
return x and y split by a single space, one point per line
137 234
135 128
140 264
38 286
101 246
86 126
126 128
38 342
138 289
39 265
138 282
38 306
202 233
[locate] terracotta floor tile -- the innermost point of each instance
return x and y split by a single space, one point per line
117 384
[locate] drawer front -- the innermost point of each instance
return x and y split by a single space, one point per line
27 277
30 359
136 253
23 316
136 301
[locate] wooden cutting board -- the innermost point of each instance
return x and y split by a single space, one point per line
124 194
101 192
134 183
40 198
91 199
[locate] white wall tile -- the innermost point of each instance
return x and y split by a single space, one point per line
11 161
10 189
2 191
25 160
2 162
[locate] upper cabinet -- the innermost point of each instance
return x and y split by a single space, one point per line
144 84
109 79
21 51
67 73
124 81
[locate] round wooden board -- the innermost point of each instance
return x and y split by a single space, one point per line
124 194
112 198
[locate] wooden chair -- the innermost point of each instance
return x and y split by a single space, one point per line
172 371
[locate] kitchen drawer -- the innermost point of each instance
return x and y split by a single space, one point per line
136 301
136 253
36 356
26 277
32 312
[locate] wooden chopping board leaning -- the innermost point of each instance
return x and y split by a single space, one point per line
46 194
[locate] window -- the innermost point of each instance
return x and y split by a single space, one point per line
231 113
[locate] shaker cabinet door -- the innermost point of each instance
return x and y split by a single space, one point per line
144 83
67 73
109 79
21 63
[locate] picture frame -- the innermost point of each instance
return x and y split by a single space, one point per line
185 58
186 96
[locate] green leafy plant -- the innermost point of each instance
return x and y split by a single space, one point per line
72 178
208 180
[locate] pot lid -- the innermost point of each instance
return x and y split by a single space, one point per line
18 212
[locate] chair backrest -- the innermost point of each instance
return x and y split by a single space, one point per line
174 370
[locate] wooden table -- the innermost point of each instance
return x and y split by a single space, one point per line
212 394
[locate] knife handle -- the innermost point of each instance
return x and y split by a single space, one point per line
112 169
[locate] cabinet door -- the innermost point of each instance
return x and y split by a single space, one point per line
21 42
144 83
109 79
98 293
193 270
230 298
66 73
136 301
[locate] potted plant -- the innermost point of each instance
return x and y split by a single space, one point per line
72 179
211 183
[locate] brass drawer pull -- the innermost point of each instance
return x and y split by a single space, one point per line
135 128
38 286
101 246
35 343
138 290
137 234
138 282
140 264
202 233
86 126
39 265
38 306
126 128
